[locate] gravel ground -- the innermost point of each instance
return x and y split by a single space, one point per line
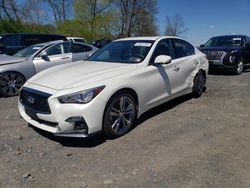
184 143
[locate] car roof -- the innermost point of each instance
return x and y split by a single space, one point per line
153 38
239 36
58 42
51 42
22 33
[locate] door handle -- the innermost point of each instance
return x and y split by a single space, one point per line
65 58
176 68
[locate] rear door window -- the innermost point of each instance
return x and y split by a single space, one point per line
87 48
79 48
182 48
66 47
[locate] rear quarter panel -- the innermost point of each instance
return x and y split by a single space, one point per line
25 68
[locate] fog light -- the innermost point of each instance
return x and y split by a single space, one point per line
79 123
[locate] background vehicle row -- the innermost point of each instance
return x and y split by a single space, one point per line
16 69
12 43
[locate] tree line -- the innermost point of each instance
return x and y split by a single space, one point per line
91 19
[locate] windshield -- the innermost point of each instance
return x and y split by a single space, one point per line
26 52
225 42
129 51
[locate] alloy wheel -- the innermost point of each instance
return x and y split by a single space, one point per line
240 67
199 84
121 115
10 83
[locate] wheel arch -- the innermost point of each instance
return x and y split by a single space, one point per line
195 73
203 72
122 90
126 90
14 72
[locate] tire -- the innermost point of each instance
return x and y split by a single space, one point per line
199 84
10 83
119 115
239 68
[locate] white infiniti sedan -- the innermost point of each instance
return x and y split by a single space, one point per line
113 87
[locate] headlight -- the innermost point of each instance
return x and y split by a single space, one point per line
232 56
232 59
81 97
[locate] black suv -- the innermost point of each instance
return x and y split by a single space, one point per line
230 52
12 43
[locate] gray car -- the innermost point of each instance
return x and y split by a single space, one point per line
16 69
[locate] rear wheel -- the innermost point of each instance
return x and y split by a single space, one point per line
10 83
119 116
199 84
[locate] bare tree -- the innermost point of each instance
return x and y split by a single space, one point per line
58 8
93 15
10 10
129 10
175 26
136 16
146 24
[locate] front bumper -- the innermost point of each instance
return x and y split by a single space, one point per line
218 65
58 121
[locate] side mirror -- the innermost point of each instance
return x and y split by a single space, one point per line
163 59
202 45
43 55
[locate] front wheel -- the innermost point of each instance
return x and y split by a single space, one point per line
10 83
119 116
199 84
239 68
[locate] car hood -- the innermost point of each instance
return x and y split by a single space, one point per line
79 74
225 49
7 59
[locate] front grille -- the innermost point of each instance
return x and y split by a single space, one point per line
215 55
35 100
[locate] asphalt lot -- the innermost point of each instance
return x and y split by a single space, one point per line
184 143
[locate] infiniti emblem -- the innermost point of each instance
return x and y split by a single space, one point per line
31 100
